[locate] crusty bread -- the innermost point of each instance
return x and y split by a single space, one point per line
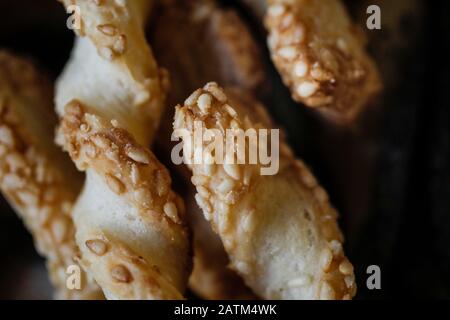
37 179
279 231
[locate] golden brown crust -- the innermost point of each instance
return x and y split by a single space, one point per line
321 57
38 181
280 231
125 182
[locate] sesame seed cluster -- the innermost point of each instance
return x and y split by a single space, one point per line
321 57
33 184
223 192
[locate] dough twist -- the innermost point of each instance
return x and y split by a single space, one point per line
280 231
35 176
129 224
229 54
320 55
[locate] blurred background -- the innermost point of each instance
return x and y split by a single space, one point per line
389 176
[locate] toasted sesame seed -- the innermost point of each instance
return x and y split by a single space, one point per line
115 184
190 101
59 230
346 267
143 197
326 258
226 186
217 92
276 10
203 203
134 174
107 29
336 248
204 102
6 136
301 68
307 89
170 209
288 52
349 280
97 246
139 155
203 192
230 110
232 170
121 274
199 180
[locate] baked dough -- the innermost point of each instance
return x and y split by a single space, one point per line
320 54
279 231
36 178
215 44
130 225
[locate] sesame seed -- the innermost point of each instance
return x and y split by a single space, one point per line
107 29
301 69
276 10
217 92
59 230
325 259
307 89
232 170
96 246
230 110
204 102
190 101
346 268
171 211
121 274
6 136
203 192
199 180
139 155
288 53
203 203
115 184
226 186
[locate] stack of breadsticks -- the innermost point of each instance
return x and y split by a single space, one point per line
232 233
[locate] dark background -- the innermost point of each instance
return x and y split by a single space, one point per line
389 176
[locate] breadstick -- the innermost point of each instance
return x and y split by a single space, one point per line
279 231
36 178
228 53
112 66
321 57
130 226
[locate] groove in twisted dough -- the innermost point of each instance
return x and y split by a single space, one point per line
279 231
320 55
35 176
130 225
112 68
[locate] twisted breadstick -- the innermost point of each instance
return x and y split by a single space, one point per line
127 84
35 176
129 224
280 231
228 53
321 56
